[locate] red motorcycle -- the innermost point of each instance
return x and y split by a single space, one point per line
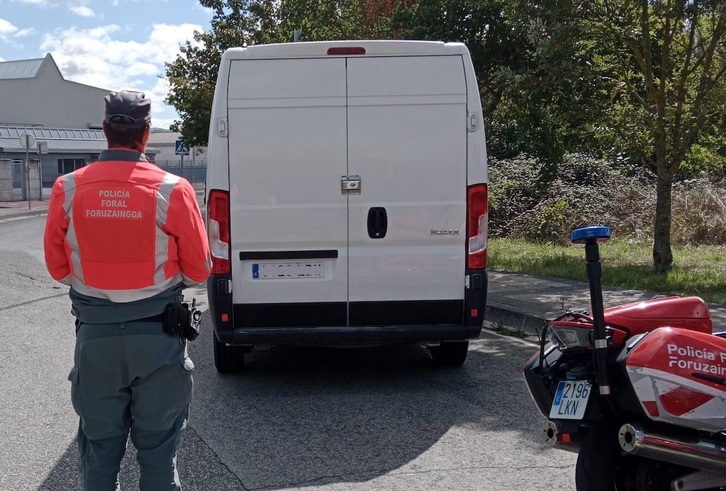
637 390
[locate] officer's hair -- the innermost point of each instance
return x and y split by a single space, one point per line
120 135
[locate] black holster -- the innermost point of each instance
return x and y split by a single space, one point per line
182 320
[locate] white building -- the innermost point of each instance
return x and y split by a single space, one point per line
34 93
36 99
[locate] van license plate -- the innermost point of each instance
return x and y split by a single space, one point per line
288 271
570 399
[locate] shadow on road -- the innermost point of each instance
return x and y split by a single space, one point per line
314 417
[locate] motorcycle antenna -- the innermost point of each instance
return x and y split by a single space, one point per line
592 237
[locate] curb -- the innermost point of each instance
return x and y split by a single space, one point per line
6 217
501 316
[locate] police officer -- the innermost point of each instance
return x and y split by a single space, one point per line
127 237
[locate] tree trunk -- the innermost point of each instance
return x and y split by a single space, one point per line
662 255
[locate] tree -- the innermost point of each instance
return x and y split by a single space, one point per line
537 94
498 47
521 50
666 61
192 75
318 20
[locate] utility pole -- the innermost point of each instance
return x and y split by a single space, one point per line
42 150
27 140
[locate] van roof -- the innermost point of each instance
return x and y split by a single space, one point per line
371 47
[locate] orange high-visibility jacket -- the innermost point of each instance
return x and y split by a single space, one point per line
125 230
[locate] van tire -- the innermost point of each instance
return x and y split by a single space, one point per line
228 359
449 353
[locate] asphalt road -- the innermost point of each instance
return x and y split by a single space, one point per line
298 418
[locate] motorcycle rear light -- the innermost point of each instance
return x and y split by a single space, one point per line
218 230
569 337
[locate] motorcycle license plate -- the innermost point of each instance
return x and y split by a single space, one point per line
570 399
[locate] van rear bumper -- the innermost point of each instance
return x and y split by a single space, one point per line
347 335
367 322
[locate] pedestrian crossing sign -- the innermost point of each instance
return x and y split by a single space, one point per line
180 148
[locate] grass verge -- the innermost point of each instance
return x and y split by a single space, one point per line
627 263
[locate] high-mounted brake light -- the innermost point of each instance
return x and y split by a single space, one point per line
347 51
477 225
218 230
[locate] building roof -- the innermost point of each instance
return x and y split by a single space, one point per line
12 146
60 140
43 133
164 137
20 69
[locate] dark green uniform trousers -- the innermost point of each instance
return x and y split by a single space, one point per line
130 378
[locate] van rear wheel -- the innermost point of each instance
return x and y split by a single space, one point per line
228 359
449 353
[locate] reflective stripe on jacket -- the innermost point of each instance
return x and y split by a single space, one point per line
123 229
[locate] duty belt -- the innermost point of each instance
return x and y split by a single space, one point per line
153 318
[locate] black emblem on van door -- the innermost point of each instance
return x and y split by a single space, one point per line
445 231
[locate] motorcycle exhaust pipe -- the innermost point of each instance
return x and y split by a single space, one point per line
697 453
556 437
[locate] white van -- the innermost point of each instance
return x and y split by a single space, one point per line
347 198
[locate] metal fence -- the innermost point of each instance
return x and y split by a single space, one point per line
194 174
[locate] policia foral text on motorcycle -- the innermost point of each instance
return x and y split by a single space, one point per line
127 237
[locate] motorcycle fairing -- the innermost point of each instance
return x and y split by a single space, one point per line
679 377
685 312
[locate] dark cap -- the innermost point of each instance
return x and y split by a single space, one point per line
129 108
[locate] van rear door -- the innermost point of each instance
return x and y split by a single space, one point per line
289 217
407 140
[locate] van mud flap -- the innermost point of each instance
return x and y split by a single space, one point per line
475 301
219 294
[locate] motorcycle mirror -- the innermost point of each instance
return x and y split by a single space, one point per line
597 233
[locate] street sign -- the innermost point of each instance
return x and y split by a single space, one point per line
27 140
180 148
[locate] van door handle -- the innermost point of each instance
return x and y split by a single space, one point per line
377 222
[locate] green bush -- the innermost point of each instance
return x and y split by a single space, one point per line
524 204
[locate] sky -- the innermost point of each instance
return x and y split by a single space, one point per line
110 44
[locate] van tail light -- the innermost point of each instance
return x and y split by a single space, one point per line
477 226
218 230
